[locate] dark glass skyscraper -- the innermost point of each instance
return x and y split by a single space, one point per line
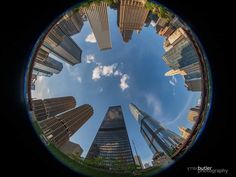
157 137
57 42
112 141
49 65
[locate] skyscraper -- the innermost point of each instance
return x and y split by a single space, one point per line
40 72
178 35
59 128
52 106
41 55
112 141
71 23
185 132
181 55
57 42
193 85
58 105
131 16
177 23
33 80
193 114
167 31
39 110
157 137
174 72
98 19
49 65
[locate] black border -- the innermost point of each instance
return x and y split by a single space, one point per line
23 23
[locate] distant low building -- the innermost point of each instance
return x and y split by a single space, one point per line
138 162
147 165
160 159
185 132
193 114
71 148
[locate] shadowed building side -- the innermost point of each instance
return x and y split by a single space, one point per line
58 129
112 142
131 16
98 20
50 107
57 42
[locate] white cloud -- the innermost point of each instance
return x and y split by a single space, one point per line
96 73
91 38
117 73
90 58
171 82
79 79
123 83
103 71
155 104
199 101
108 70
174 79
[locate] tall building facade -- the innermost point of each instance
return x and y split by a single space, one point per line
193 85
180 52
40 72
49 65
59 128
193 114
132 15
57 42
167 31
98 19
71 23
39 110
47 108
156 136
174 72
185 132
112 142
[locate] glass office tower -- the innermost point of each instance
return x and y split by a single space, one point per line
157 137
112 142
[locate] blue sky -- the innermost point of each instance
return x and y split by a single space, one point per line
129 72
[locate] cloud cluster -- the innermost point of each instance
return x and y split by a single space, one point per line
79 79
103 71
110 70
123 82
90 58
173 81
91 38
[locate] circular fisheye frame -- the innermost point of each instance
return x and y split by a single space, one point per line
118 88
